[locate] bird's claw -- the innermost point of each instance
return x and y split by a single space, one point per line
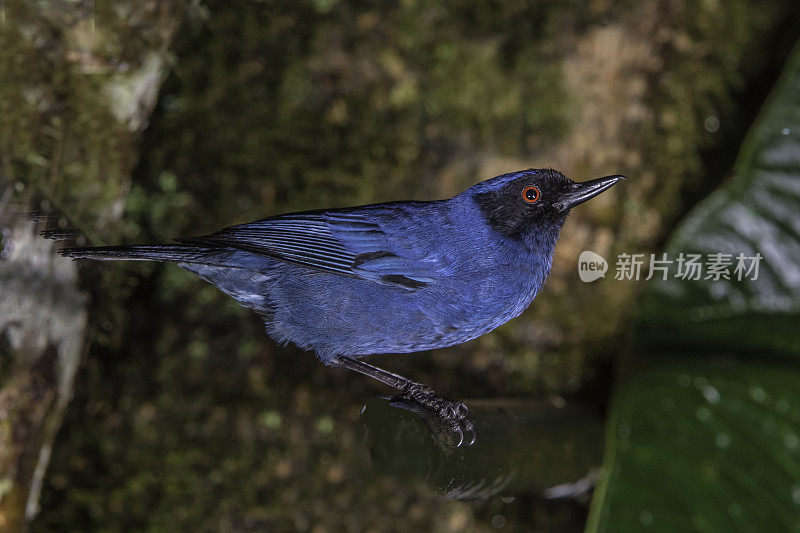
451 414
459 428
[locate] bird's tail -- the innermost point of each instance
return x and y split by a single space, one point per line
177 253
55 226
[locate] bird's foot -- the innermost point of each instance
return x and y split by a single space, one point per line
453 415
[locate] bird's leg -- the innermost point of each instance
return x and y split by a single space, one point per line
455 413
393 380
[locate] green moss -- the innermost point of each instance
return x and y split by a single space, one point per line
57 138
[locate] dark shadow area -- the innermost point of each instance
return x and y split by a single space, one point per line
520 447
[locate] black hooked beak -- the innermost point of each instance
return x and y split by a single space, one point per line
585 190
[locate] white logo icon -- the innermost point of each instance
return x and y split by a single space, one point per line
591 266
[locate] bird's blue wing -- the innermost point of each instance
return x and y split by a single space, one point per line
340 242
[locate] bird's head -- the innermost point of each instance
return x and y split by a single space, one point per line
534 199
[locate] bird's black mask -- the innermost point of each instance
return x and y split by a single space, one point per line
536 198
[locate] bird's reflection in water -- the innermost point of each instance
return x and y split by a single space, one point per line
507 447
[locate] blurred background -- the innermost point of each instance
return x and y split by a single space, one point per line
134 396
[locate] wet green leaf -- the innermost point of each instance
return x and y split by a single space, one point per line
758 214
704 446
714 444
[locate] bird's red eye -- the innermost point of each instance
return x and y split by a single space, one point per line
531 194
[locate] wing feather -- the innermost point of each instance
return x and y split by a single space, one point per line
344 243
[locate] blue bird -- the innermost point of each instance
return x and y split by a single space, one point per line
394 277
